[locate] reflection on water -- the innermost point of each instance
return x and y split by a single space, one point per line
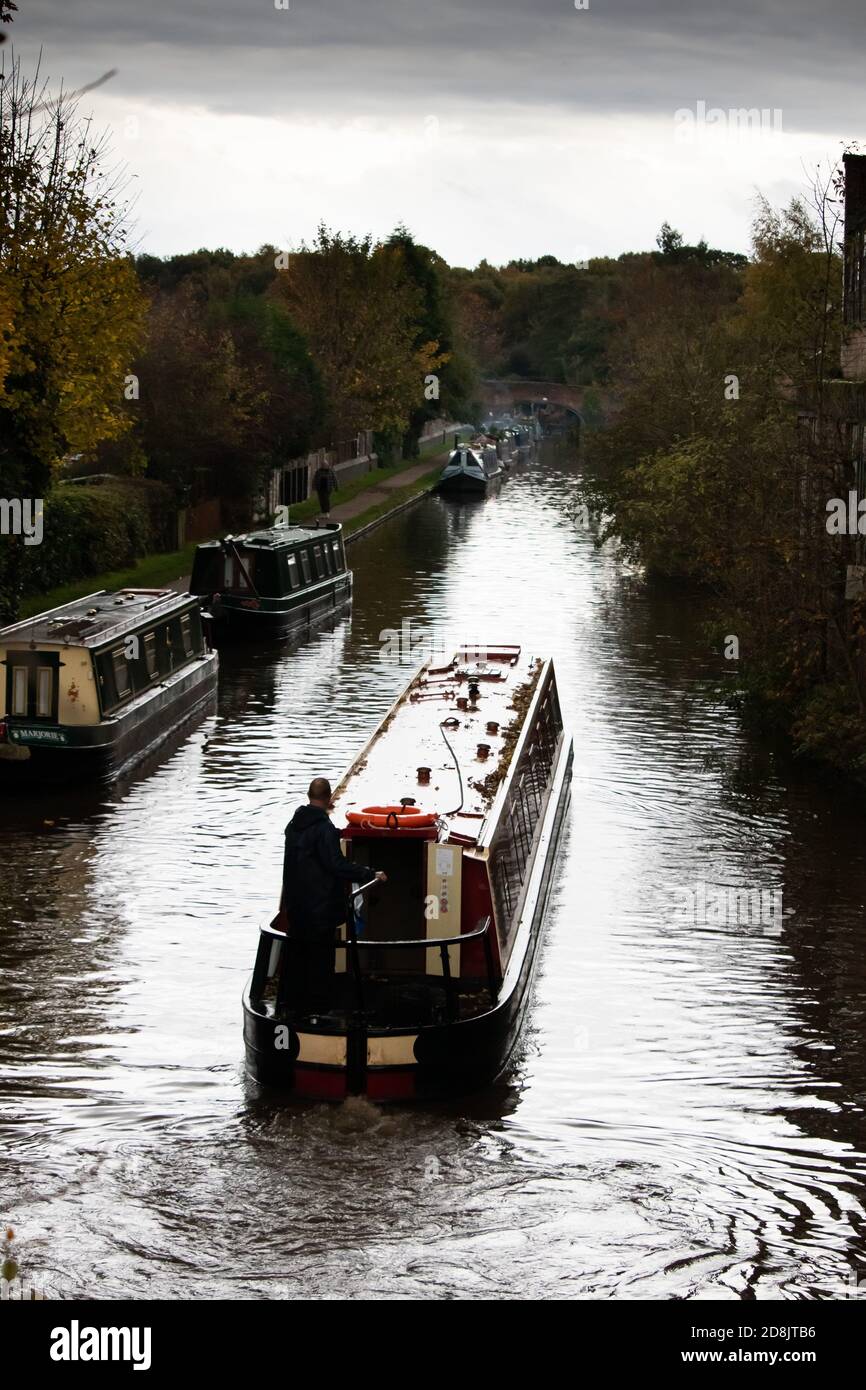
686 1116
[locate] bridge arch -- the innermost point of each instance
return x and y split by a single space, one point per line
589 404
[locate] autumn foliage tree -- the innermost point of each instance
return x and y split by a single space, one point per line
718 467
72 308
71 311
228 389
358 312
452 389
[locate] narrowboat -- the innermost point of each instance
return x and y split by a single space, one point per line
279 581
470 470
94 686
460 799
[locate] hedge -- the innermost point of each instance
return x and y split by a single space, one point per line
92 528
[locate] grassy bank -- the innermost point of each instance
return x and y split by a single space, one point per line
154 571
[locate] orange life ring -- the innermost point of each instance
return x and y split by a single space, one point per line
392 817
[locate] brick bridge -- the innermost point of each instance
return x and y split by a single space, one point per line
585 402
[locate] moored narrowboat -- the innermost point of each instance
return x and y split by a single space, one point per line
278 581
460 799
470 470
94 686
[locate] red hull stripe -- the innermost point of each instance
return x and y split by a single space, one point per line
390 1085
321 1084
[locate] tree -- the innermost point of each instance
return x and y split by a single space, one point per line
199 403
7 7
290 389
730 490
479 297
455 379
672 248
668 241
359 314
71 311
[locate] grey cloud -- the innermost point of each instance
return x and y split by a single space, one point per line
337 57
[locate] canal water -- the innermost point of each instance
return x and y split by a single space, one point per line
685 1118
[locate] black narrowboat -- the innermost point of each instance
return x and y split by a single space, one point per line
460 798
94 686
470 471
280 581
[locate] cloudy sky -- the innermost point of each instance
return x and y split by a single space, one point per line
492 128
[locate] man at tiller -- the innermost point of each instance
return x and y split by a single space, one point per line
316 878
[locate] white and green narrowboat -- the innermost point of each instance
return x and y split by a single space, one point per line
94 686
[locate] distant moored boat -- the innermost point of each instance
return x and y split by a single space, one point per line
470 470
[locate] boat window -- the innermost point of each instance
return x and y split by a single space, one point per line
292 568
338 558
150 660
186 634
533 784
319 562
175 641
236 571
305 565
121 673
522 824
19 690
506 882
329 567
45 692
510 857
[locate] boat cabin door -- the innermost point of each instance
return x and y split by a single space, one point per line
421 900
32 681
442 909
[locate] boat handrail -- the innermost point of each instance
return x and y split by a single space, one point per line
424 941
352 944
427 941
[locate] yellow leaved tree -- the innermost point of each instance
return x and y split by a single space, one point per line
359 312
71 311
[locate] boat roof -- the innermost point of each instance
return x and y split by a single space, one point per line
96 618
277 537
410 737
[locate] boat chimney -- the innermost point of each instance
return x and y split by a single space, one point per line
483 751
492 726
424 776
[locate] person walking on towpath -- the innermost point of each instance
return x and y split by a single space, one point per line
325 482
316 877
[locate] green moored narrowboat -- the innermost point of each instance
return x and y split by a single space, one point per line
277 582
